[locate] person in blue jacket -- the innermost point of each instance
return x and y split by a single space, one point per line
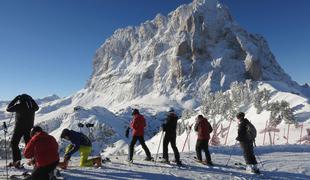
79 142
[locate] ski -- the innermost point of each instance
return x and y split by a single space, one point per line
243 167
167 164
24 175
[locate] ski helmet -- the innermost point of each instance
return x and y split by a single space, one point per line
64 133
240 115
35 129
171 110
135 111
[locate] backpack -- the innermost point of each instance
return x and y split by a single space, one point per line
251 131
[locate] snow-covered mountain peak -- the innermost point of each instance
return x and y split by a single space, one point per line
195 47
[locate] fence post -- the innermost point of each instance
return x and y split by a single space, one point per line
302 125
274 135
265 132
288 133
227 132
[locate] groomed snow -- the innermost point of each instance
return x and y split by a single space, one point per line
279 162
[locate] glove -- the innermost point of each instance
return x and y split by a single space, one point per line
127 132
66 158
31 162
163 127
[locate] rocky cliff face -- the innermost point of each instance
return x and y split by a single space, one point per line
195 47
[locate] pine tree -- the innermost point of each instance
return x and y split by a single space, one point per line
287 113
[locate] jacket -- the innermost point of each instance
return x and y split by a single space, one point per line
77 139
24 107
43 148
204 128
171 124
137 125
242 131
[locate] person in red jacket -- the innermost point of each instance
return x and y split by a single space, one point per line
137 125
204 129
43 150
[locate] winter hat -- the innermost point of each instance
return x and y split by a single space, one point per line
64 133
34 130
199 116
240 115
135 111
171 110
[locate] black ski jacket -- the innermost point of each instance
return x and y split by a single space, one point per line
171 124
242 131
24 107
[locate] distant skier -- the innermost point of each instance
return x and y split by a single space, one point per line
246 137
204 128
81 143
170 128
24 107
137 125
43 150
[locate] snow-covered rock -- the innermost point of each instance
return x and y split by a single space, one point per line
198 45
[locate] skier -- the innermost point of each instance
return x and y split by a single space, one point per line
204 128
81 143
246 143
137 125
24 107
43 149
170 137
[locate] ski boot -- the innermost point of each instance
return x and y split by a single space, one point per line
64 164
97 162
208 163
179 163
252 168
16 164
165 161
149 159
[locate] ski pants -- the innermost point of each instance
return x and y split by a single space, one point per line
44 173
170 138
142 142
84 153
248 152
203 145
17 135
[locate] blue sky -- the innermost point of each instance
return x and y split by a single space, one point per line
47 46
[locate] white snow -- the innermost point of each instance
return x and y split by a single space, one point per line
276 162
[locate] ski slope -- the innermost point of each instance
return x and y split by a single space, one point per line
279 162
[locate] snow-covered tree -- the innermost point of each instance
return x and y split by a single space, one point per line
287 113
258 101
281 111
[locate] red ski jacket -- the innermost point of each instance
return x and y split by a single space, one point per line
137 124
204 129
43 148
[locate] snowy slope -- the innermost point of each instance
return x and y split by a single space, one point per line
298 103
279 163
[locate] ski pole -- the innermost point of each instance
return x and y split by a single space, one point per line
231 152
161 137
6 153
186 138
259 160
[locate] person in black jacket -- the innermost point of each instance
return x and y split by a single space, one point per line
246 143
24 107
170 137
